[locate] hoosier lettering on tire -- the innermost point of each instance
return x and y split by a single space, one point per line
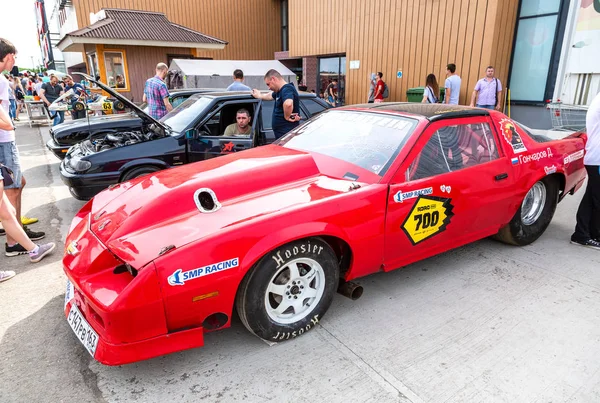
289 290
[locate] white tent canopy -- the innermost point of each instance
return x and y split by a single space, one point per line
219 73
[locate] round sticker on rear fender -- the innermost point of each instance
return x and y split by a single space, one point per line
429 216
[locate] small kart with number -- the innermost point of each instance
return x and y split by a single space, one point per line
97 103
156 262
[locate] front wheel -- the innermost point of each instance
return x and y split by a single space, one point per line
289 290
534 214
140 171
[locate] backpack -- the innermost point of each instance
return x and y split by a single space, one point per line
19 94
386 91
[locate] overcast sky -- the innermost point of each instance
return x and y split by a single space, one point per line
17 24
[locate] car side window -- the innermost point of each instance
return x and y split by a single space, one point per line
312 106
178 101
266 114
212 126
452 148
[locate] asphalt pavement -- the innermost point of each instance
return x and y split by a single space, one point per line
486 322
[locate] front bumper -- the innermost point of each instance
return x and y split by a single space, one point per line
127 353
57 149
125 312
84 186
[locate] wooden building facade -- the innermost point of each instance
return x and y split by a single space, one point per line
414 37
245 25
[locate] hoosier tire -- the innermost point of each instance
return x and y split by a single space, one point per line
289 290
533 216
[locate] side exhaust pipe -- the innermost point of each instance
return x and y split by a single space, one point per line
350 290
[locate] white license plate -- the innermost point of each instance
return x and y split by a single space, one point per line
69 294
84 332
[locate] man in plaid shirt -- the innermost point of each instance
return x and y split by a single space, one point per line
156 93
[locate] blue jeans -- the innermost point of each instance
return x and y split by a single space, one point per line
486 106
59 117
12 110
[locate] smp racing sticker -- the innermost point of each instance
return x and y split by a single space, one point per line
429 216
180 277
399 197
509 133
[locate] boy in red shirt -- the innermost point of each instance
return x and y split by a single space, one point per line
379 88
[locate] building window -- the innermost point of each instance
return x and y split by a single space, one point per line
284 26
114 65
93 65
537 27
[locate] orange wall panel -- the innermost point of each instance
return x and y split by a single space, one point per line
416 36
252 27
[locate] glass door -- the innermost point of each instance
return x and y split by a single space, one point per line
332 79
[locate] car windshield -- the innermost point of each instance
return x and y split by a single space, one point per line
369 140
180 118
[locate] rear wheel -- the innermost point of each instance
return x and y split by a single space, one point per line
118 105
141 171
534 214
289 290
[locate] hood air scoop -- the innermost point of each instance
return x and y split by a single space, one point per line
206 200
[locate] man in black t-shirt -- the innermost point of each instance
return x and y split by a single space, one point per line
332 92
49 93
287 104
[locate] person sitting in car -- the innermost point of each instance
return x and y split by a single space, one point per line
242 127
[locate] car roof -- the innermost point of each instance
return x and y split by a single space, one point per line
431 112
246 94
192 91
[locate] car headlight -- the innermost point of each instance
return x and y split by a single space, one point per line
79 165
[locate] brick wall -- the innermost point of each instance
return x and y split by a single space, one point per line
310 66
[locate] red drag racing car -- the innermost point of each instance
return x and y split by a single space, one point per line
156 262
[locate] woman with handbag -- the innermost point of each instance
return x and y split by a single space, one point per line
8 214
431 94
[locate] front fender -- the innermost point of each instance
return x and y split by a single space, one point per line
143 161
289 234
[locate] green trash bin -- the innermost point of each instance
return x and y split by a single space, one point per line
416 94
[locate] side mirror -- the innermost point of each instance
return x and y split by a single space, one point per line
191 134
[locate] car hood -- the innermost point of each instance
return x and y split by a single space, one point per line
132 218
136 109
77 124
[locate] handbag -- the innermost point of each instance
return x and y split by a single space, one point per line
8 176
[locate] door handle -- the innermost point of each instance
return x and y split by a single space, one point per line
501 176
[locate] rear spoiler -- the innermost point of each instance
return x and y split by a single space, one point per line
578 135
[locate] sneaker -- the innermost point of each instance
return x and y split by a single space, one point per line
2 231
28 220
590 243
43 251
5 275
34 236
14 250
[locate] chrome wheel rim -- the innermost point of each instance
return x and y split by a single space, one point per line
534 203
295 290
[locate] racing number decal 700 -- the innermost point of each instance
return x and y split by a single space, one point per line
429 216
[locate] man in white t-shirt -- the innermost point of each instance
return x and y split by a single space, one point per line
452 85
587 230
9 155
